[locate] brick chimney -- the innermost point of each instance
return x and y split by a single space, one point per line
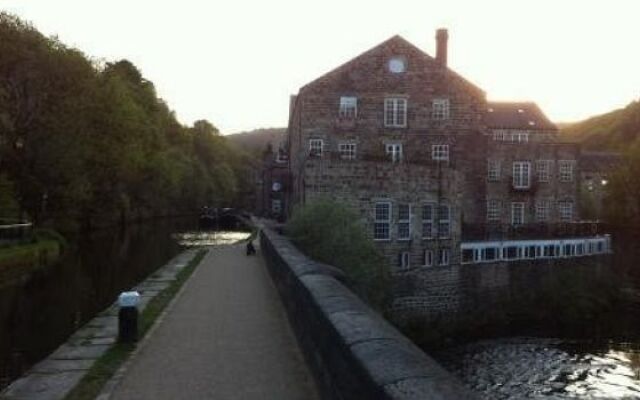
441 46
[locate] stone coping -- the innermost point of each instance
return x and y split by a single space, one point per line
353 352
55 376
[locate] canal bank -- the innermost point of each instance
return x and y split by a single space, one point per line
54 377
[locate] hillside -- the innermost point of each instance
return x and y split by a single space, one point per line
615 131
256 140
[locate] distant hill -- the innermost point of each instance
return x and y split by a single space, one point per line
617 130
255 141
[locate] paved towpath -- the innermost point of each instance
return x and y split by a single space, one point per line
225 337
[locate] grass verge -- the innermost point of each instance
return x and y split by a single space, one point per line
107 365
29 254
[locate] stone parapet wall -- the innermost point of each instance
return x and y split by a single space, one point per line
353 352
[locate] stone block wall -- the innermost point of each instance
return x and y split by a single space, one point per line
353 352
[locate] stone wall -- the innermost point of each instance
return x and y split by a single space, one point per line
353 352
490 290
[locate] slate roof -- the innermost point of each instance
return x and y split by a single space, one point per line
517 115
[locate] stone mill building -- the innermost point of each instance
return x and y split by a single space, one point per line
439 175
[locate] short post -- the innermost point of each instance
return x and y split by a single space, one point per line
128 317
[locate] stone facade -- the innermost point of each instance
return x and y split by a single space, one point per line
368 174
273 185
396 126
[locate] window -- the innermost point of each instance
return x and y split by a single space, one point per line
404 260
444 221
382 221
397 65
566 211
427 220
394 151
276 206
427 258
443 257
347 151
517 213
440 109
315 147
395 112
566 170
404 222
542 210
520 137
521 175
493 170
543 170
440 152
493 210
348 107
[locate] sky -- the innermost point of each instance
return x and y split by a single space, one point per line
237 62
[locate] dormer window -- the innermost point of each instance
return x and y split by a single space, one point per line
397 65
348 107
440 109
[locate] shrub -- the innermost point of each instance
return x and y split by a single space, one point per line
329 232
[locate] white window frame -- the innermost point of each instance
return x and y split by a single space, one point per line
440 152
427 258
522 174
519 137
404 222
383 223
316 147
565 211
493 170
444 221
444 257
518 209
405 260
429 221
440 109
395 112
566 170
348 107
494 208
543 170
543 211
347 151
394 151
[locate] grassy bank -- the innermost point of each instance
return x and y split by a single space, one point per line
18 259
107 365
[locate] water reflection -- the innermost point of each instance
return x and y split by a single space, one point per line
518 368
210 238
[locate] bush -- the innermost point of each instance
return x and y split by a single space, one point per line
50 234
329 232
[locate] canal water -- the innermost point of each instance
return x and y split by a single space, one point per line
41 310
600 360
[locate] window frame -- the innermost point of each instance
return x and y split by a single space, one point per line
427 258
543 174
514 205
565 175
393 113
314 151
396 155
348 107
519 174
543 209
444 257
562 208
440 152
428 221
347 155
444 221
440 109
377 222
496 215
404 222
493 170
405 260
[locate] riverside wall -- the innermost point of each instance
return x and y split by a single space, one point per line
353 352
